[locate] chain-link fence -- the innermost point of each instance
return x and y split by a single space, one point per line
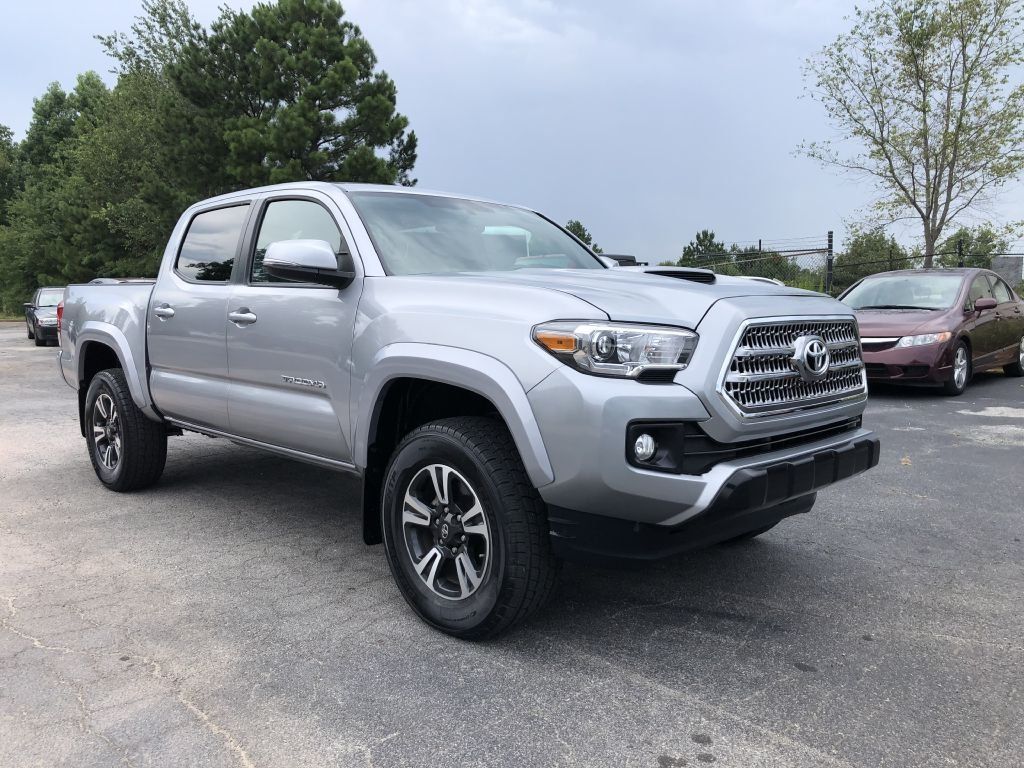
817 267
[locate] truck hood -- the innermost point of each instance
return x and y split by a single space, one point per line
635 296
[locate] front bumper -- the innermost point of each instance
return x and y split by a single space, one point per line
750 498
584 421
46 332
926 364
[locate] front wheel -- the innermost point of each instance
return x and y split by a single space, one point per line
957 382
1017 368
40 341
28 326
465 531
128 450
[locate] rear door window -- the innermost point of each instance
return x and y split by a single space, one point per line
1001 291
210 245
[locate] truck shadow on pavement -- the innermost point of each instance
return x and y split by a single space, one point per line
723 591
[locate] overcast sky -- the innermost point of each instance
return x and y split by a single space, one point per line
647 120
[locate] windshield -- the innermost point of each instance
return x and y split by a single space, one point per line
926 291
50 298
416 234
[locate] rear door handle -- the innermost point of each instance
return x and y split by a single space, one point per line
164 311
242 316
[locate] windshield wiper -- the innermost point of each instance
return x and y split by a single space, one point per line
894 306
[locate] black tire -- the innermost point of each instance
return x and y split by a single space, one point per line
952 386
519 570
28 326
749 535
142 442
40 341
1017 368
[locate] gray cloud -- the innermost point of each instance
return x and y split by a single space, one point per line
647 120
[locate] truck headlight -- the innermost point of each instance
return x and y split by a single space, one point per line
617 349
927 338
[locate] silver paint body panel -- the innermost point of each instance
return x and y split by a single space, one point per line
203 372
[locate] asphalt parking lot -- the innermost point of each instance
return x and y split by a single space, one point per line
232 616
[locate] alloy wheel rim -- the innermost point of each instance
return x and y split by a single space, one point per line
960 367
106 431
446 531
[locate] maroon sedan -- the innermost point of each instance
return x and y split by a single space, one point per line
938 326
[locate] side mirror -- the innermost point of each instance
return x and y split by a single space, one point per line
309 261
29 305
984 303
608 261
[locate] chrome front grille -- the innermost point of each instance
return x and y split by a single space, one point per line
761 377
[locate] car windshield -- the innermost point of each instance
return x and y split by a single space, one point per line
907 291
50 298
416 234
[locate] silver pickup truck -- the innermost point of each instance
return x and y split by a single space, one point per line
506 398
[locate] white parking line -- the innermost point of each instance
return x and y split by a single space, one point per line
998 412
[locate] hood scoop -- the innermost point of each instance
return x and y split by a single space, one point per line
682 273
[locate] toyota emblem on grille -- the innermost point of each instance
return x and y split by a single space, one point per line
811 358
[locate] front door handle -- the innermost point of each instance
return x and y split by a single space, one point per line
164 311
242 316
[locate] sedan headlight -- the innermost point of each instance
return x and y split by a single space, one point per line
617 349
926 338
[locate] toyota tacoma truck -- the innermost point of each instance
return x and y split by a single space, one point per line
506 398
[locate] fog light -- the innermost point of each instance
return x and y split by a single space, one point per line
644 447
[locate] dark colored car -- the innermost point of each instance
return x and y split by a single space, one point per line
41 315
938 326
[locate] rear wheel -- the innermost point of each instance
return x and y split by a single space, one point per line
465 531
128 450
1017 368
961 374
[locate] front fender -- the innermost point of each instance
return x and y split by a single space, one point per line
477 372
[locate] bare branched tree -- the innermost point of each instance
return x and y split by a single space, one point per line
927 97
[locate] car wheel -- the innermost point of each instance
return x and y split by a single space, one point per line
28 326
128 450
961 370
37 335
465 532
1017 368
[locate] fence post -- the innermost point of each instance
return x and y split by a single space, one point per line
829 263
960 251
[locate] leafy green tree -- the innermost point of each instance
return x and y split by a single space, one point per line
293 89
288 91
929 90
703 250
576 227
866 253
978 246
10 170
52 235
